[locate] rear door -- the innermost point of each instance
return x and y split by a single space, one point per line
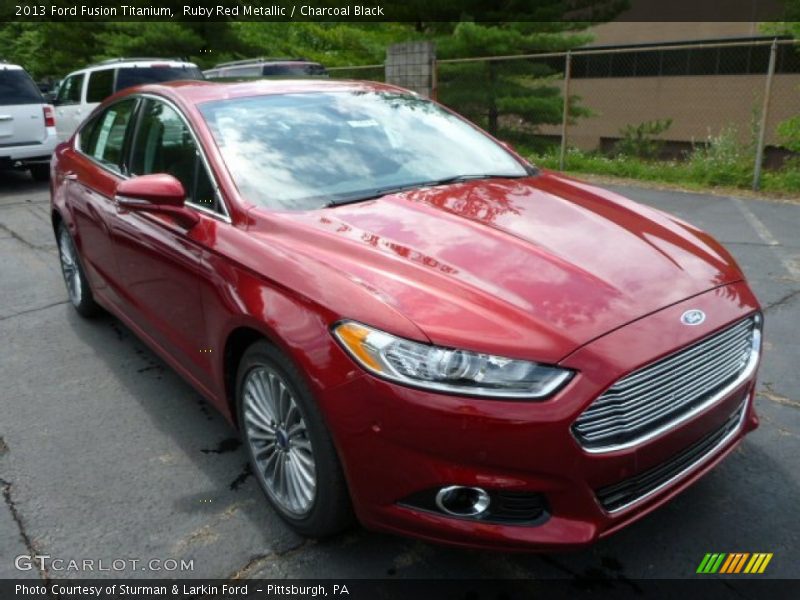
69 108
21 114
94 170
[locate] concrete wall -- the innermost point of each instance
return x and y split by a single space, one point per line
410 65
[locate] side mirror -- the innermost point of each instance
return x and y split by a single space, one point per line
50 97
159 193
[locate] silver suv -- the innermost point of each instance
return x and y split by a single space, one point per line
278 68
27 124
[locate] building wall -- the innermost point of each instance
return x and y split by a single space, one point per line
623 33
698 106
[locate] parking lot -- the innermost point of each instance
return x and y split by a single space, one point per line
105 453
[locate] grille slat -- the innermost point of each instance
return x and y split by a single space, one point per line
626 418
668 390
634 489
666 387
730 347
690 352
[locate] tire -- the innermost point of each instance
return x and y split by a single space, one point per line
40 172
80 294
295 431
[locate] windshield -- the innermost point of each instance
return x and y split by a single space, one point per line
303 151
128 77
16 87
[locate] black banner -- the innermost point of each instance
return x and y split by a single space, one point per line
708 588
396 10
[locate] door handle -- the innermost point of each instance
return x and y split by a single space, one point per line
71 177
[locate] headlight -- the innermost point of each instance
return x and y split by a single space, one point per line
447 369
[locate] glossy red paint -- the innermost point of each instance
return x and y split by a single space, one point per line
543 268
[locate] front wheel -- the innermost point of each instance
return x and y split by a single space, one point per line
80 294
291 452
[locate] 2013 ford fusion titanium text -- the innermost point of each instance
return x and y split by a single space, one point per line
407 322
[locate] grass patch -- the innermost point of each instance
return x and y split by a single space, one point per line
702 170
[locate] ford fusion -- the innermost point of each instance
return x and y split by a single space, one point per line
408 323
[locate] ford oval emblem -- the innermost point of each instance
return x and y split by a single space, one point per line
693 317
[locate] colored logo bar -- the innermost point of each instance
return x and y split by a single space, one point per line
734 562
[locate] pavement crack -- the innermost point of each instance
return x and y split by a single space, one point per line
23 241
783 300
32 310
26 539
593 578
255 563
773 396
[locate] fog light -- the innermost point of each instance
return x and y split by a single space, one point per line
461 501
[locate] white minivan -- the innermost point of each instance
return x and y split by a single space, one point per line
27 127
80 91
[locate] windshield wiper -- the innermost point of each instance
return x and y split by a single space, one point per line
380 192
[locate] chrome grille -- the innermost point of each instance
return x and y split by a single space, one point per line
669 391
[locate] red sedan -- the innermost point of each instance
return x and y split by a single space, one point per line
407 322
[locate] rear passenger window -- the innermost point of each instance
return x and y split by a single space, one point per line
164 144
100 86
106 134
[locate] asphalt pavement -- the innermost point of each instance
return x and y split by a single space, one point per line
106 453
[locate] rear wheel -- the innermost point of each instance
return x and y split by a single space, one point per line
40 172
80 294
291 452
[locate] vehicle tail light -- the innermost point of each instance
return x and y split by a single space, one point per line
49 116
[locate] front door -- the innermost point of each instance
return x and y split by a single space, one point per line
160 260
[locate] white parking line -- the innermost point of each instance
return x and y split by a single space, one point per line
766 236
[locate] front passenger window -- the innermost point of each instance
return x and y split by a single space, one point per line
164 144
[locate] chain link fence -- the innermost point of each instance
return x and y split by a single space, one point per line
366 72
721 101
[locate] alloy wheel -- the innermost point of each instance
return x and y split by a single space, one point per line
69 266
278 438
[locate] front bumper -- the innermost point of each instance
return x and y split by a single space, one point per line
396 442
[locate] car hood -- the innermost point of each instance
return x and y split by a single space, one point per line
528 268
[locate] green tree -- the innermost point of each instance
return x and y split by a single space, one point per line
514 95
332 44
204 43
50 49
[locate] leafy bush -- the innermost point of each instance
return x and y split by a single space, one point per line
715 165
789 133
723 160
640 140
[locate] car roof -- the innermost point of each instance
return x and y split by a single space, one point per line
129 63
10 67
198 92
